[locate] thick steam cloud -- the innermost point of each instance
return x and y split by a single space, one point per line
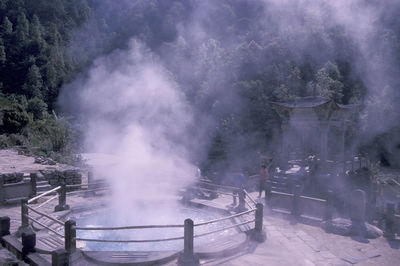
134 112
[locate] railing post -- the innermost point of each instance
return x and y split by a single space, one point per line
24 215
1 190
33 177
258 234
295 201
59 257
62 198
329 206
70 235
188 257
24 228
28 243
90 185
4 226
389 221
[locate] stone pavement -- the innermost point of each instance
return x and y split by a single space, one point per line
288 242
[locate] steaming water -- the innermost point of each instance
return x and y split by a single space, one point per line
148 217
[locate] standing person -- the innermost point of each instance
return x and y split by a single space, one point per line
263 181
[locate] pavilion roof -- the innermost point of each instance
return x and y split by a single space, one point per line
324 108
304 102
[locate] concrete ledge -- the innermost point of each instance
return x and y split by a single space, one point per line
36 260
223 247
13 245
130 257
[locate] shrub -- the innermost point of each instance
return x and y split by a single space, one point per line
37 107
15 118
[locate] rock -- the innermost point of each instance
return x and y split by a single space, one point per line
346 227
45 161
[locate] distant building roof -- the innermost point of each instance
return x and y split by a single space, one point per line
305 102
326 109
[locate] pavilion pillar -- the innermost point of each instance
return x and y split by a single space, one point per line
324 142
343 151
283 158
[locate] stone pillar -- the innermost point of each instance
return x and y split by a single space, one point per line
33 177
283 158
24 213
188 257
62 198
372 200
90 185
358 206
59 257
4 226
329 206
324 142
70 235
258 233
343 150
24 228
390 221
28 243
296 201
357 212
1 189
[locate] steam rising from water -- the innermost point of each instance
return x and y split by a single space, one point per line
134 109
135 113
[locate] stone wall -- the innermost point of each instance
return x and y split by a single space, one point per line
12 177
56 177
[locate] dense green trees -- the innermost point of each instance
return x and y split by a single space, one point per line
230 57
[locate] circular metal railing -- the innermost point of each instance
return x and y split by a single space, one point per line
70 227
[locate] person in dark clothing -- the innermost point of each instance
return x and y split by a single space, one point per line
238 181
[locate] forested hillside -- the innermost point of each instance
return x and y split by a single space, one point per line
230 59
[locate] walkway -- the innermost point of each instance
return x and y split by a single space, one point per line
288 243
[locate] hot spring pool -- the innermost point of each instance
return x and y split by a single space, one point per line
155 216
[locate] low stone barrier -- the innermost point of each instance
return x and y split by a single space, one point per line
11 192
57 177
298 205
12 177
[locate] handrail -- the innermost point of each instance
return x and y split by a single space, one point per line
47 201
129 227
248 195
45 215
225 228
225 218
86 184
215 185
128 241
252 209
45 226
248 204
223 193
43 194
87 190
77 185
311 198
